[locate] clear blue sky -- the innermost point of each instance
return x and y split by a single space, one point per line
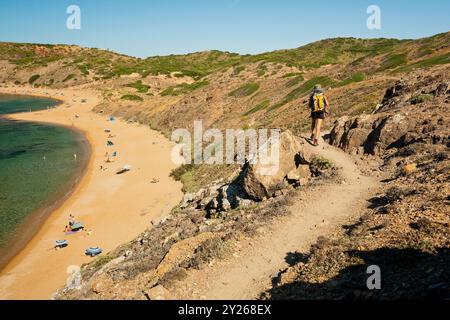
159 27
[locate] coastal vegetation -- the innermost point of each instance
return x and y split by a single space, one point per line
245 90
132 97
183 88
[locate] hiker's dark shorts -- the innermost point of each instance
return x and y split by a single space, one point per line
318 115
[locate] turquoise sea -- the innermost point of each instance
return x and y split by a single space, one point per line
37 167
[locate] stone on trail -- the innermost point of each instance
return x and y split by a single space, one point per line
302 172
158 293
262 180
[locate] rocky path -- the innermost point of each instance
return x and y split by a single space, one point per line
256 261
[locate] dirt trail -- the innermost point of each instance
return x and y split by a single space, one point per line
255 261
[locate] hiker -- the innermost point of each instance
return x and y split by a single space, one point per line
319 105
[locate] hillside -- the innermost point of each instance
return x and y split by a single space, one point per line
228 90
388 145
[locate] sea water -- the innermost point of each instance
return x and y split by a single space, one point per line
37 164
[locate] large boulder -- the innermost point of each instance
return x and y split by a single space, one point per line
373 133
388 132
350 134
263 179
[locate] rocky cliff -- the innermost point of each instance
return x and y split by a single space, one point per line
405 230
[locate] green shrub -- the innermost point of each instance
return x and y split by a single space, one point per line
194 74
245 90
292 74
321 163
393 61
258 107
69 77
131 97
237 70
33 78
294 81
438 60
101 261
84 69
177 173
421 98
262 69
260 73
183 88
357 77
139 86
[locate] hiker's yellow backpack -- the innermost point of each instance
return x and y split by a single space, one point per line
319 102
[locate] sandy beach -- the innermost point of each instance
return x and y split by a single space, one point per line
114 208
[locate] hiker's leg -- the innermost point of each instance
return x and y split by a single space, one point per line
314 131
318 127
313 127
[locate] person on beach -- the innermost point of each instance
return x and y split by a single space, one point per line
71 220
319 105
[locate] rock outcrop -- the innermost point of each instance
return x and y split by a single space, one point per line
405 229
259 181
397 123
293 153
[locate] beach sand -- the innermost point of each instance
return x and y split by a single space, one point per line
114 208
